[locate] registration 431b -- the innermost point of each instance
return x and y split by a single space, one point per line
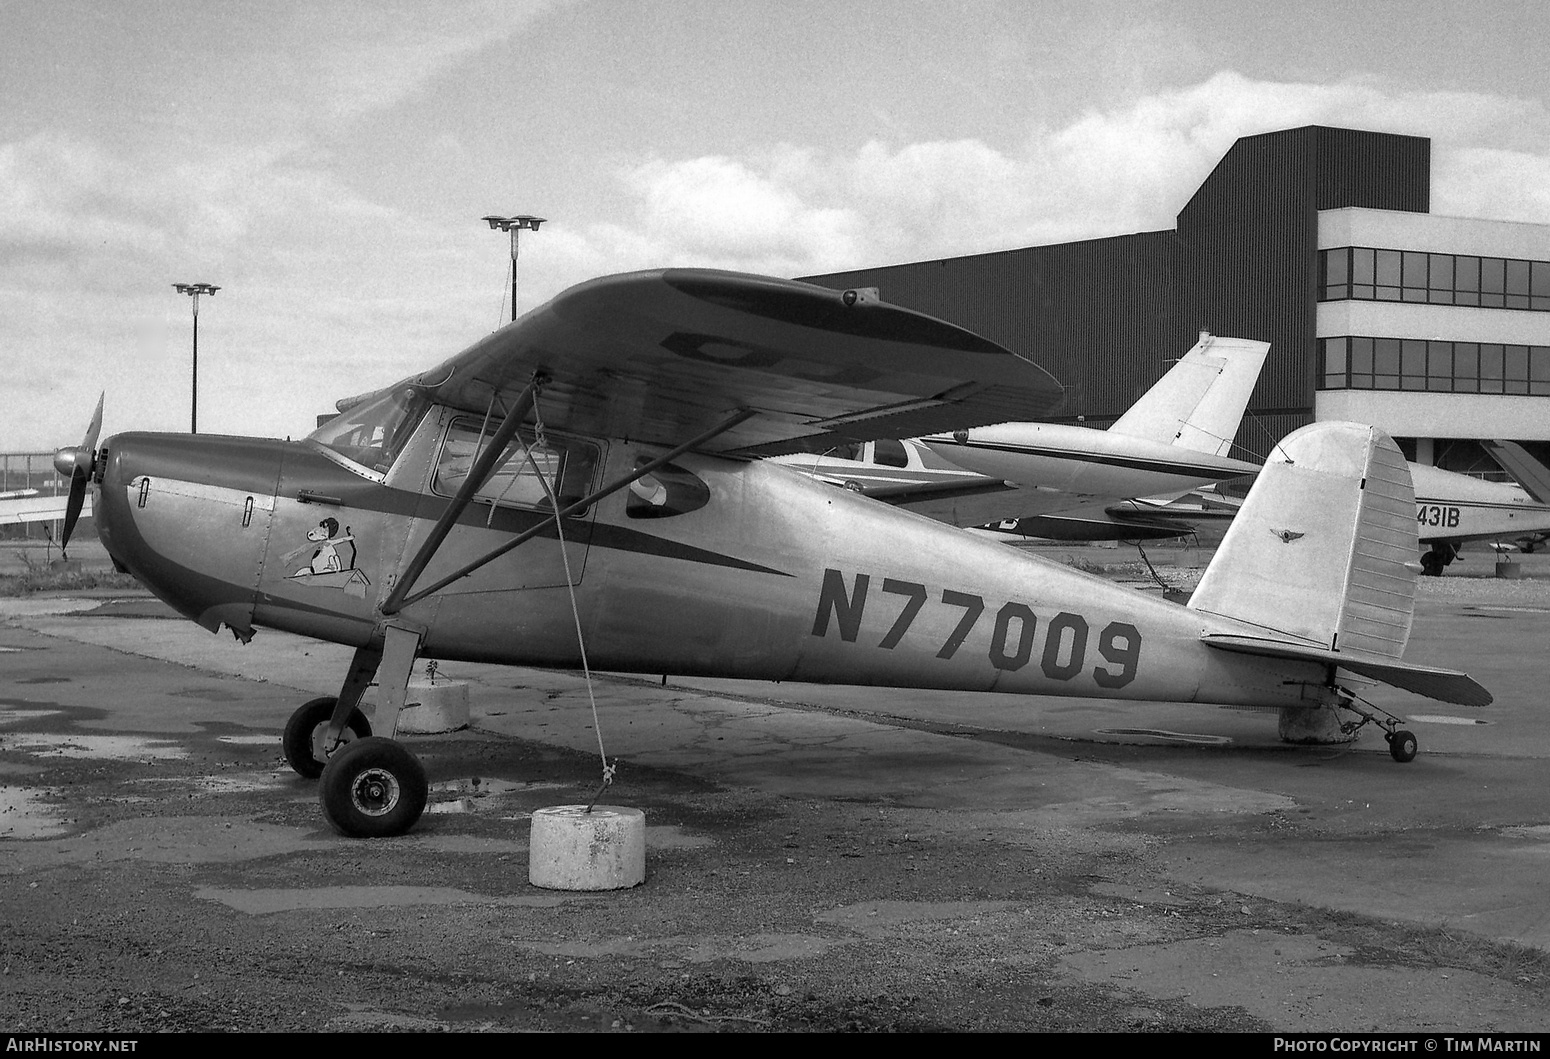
1442 515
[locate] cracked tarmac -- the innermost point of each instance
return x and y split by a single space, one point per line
818 858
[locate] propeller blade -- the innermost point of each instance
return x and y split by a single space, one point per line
80 474
73 505
89 442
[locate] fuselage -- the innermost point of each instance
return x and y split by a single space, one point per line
1459 507
711 566
1033 479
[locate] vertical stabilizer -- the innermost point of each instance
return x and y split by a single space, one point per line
1532 475
1199 403
1324 548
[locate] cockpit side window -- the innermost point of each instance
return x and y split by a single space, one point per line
566 464
667 491
374 432
890 453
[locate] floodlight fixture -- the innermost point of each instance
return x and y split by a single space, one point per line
514 225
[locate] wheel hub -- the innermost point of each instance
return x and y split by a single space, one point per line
375 792
322 749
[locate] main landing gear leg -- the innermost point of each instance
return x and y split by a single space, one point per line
1402 743
318 728
375 787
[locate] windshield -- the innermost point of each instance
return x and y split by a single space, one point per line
374 432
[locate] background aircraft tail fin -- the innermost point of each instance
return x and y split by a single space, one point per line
1324 549
1199 403
1530 473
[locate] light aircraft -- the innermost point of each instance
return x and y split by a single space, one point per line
32 505
1452 508
588 476
1064 481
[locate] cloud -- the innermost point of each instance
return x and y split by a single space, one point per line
328 291
795 210
365 56
1488 182
60 194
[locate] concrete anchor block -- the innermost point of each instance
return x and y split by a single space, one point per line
1312 726
431 708
572 849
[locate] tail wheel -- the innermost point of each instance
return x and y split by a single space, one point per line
373 788
1402 745
305 731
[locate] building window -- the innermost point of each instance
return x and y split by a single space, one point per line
1369 274
1361 363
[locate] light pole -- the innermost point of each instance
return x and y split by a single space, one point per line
194 290
513 225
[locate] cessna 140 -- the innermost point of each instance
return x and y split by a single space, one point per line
582 487
1070 482
1454 508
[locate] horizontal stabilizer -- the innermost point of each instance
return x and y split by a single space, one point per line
1445 685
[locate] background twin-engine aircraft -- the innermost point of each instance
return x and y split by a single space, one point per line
590 478
1071 482
1153 473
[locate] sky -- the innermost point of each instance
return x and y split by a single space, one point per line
326 164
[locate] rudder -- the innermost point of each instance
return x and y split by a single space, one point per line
1324 548
1199 403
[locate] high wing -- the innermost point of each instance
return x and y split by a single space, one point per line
29 505
661 356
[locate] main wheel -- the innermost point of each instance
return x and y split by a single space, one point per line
373 788
304 732
1402 746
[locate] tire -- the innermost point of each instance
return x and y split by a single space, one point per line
303 739
373 788
1431 564
1402 746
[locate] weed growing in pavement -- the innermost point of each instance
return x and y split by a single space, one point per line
42 577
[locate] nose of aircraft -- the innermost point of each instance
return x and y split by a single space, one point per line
189 516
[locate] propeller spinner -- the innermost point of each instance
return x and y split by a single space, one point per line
76 464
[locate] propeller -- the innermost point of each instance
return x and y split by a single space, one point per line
77 464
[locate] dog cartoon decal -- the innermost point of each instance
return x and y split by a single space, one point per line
333 560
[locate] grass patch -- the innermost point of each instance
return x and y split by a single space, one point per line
1086 565
42 577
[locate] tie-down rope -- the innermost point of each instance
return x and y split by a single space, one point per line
570 585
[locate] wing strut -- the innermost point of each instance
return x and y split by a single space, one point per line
399 599
483 467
